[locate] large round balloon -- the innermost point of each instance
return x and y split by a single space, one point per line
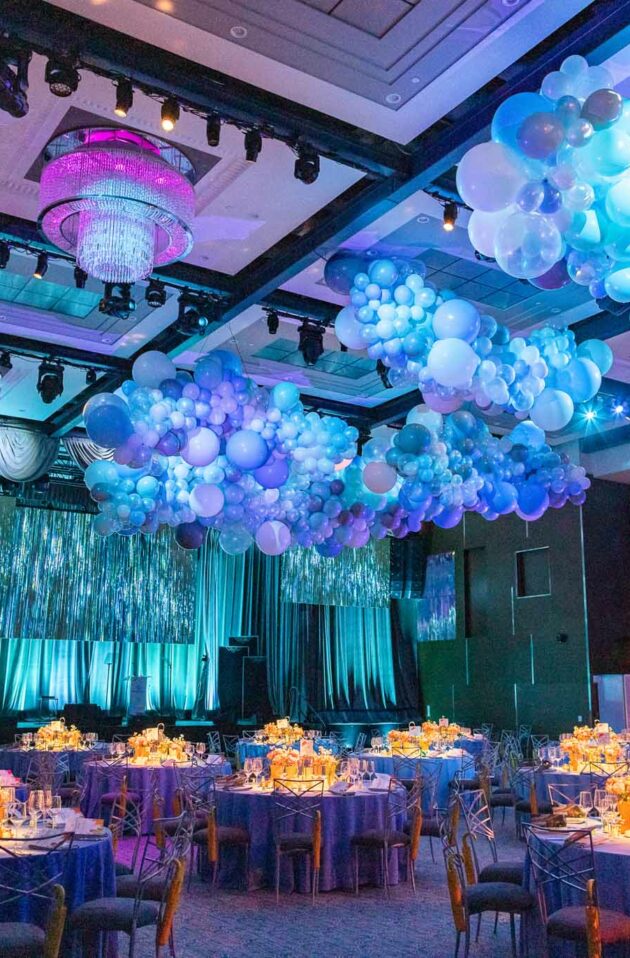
235 540
510 115
581 379
379 477
340 270
272 474
599 352
552 410
348 329
457 318
452 362
107 420
152 368
285 395
527 245
206 500
489 176
483 228
190 535
247 449
101 470
273 537
202 447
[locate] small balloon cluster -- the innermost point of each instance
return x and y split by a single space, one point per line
213 450
455 354
550 192
445 466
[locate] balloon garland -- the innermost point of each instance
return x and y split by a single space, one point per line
550 192
454 354
213 450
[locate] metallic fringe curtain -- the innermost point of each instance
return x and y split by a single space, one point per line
356 577
58 580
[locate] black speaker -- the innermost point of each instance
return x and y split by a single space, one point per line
408 566
255 692
248 642
230 676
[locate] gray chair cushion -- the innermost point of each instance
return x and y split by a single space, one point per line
295 841
122 869
524 805
431 826
113 914
570 923
227 835
511 872
498 896
378 838
108 798
19 940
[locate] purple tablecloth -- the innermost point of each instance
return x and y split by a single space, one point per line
146 781
89 873
342 817
449 765
19 760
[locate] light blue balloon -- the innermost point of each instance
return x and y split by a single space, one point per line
383 272
285 396
617 285
101 471
600 353
511 113
456 318
147 486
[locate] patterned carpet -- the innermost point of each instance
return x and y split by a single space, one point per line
232 924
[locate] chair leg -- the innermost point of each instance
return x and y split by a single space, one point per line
496 921
314 882
412 872
459 935
356 869
431 847
247 868
478 927
215 872
384 857
277 875
171 943
513 935
467 940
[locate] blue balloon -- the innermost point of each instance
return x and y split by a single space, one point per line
107 420
341 269
511 113
247 449
284 396
101 471
383 272
533 500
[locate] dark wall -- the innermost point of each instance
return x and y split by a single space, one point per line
607 559
510 668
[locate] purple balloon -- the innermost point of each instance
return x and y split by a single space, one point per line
554 278
273 474
190 535
247 449
169 444
171 388
329 549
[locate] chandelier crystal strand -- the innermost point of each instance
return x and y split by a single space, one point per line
121 202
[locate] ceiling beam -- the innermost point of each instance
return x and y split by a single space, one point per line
80 357
603 325
48 30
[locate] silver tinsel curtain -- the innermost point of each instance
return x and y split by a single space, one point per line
356 577
58 580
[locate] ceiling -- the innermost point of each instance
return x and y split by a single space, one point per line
392 91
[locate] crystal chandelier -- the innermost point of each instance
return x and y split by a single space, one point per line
121 202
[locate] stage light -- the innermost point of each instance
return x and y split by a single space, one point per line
124 97
5 254
155 294
273 322
590 415
619 409
311 343
449 216
213 129
306 167
41 267
62 77
14 85
253 145
50 380
90 377
5 362
170 114
196 314
382 371
117 300
80 277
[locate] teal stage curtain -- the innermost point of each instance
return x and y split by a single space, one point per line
336 657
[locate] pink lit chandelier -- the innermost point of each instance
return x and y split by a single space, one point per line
121 202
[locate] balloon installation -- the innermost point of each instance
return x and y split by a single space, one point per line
550 192
455 355
212 450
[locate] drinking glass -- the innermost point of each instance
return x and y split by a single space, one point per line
599 801
200 748
585 802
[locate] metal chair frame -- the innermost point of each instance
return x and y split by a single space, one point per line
214 742
404 802
297 801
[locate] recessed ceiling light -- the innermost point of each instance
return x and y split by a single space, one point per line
239 33
423 218
510 3
415 79
393 98
556 309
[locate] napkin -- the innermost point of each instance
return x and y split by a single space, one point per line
339 788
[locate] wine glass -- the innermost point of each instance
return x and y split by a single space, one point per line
585 802
599 800
200 749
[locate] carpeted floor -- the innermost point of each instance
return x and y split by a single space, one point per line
232 924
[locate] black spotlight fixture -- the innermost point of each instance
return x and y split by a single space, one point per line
273 322
213 129
14 84
5 362
62 77
50 380
41 267
80 277
170 114
449 217
383 371
90 377
311 341
155 294
124 97
5 254
196 314
306 167
253 145
117 300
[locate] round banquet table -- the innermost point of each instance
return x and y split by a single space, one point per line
571 783
89 873
612 872
342 817
146 780
18 760
474 746
249 748
449 765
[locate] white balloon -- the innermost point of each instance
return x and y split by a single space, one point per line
552 410
423 415
273 537
348 330
489 176
152 368
483 228
452 362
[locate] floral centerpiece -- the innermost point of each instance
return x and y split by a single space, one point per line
619 786
408 741
282 732
289 763
439 732
152 747
57 737
598 745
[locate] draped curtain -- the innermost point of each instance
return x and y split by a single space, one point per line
25 455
